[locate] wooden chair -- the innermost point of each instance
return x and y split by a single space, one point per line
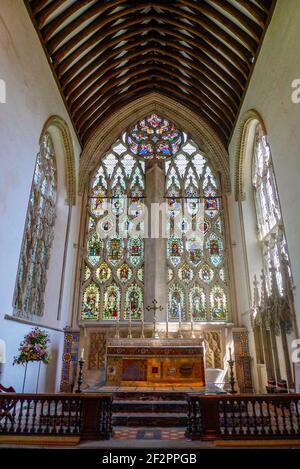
6 404
4 389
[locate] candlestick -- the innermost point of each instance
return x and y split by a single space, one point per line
129 335
179 325
80 376
192 327
167 326
231 376
117 334
143 328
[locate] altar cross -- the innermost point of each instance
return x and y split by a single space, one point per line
154 307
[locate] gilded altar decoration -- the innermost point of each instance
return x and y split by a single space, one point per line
151 363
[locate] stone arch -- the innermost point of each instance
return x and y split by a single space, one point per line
61 126
248 122
110 129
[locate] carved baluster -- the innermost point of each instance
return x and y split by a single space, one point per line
291 410
276 417
189 423
68 429
267 418
19 428
77 417
54 424
283 412
34 414
226 432
27 414
244 417
5 407
220 417
199 425
240 420
48 416
255 425
261 418
41 417
297 404
13 415
62 413
110 417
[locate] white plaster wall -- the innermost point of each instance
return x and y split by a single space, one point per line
269 93
32 97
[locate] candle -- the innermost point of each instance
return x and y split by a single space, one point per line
82 354
179 312
230 357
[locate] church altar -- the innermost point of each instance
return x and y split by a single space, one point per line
155 362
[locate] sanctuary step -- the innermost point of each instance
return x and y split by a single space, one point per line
150 409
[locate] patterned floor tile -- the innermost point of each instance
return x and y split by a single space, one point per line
125 433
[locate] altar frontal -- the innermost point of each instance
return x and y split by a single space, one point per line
155 363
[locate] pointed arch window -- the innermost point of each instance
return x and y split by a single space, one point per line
113 266
38 235
197 276
270 227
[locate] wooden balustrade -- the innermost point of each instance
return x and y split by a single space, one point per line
86 415
244 416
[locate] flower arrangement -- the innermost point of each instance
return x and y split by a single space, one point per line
34 347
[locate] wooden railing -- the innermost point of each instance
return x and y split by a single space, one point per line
244 416
85 415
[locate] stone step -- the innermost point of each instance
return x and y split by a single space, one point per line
146 419
131 406
150 396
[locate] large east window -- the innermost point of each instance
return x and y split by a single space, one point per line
113 266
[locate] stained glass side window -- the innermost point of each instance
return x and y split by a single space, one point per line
112 284
271 233
197 276
38 235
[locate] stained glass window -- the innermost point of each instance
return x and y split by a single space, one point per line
196 272
271 233
114 265
154 138
38 235
113 277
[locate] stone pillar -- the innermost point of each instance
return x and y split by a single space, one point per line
275 353
268 353
288 368
69 359
155 248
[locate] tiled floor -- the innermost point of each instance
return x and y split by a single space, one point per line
136 433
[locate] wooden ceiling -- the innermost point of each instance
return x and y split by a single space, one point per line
106 53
